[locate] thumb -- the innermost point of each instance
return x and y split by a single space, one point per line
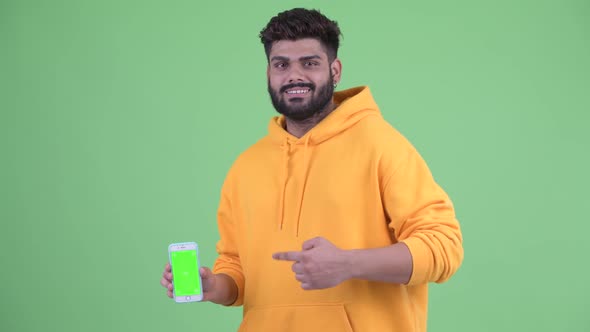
205 272
312 243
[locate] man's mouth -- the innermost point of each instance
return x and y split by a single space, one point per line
297 92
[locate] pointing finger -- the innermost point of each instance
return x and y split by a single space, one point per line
288 256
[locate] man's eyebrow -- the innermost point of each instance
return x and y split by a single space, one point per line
310 57
279 58
303 58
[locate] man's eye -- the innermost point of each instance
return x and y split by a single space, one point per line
280 65
310 63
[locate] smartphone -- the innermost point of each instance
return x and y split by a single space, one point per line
186 279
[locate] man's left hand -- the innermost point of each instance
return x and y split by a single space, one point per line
319 265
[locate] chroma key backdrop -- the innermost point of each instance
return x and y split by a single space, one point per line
120 119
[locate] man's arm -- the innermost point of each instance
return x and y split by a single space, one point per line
422 217
388 264
323 265
228 266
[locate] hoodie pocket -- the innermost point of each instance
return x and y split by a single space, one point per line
295 318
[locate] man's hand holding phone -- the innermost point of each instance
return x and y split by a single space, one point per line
217 288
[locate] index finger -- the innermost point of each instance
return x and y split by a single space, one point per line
293 256
167 268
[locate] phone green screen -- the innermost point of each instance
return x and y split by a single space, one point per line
185 272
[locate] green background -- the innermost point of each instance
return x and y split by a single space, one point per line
120 119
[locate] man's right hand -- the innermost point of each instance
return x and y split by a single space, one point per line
217 288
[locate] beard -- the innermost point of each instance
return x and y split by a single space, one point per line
299 110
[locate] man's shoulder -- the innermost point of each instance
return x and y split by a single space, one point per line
262 145
380 131
254 152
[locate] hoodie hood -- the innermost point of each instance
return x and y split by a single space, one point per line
353 105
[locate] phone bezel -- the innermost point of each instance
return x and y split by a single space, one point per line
184 246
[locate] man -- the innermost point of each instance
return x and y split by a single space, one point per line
332 222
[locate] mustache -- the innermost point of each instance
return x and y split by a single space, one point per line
284 88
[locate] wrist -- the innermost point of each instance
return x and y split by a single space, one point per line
225 294
350 263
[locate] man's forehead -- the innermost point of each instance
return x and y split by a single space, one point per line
298 48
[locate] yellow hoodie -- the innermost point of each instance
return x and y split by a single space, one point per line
354 180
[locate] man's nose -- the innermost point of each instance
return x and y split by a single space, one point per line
296 75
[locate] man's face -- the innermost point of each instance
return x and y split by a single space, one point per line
300 77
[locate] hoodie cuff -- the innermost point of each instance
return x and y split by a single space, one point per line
422 261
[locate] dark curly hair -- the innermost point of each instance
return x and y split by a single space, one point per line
301 23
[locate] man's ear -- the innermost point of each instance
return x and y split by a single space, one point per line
336 67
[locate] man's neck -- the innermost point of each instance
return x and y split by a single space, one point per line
298 128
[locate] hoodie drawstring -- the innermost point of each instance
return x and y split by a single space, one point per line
283 182
305 175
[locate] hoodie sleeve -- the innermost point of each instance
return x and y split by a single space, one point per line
422 216
228 261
